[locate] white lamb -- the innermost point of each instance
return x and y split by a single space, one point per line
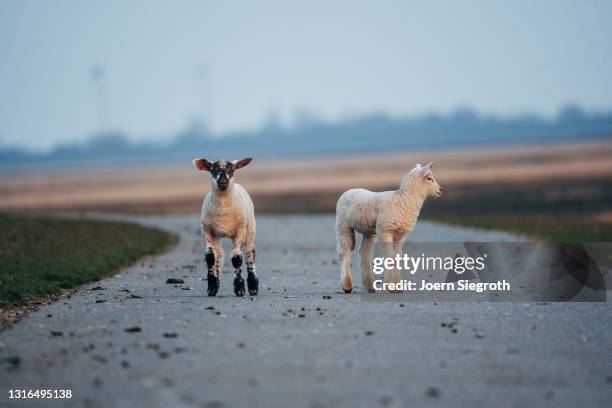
228 212
388 216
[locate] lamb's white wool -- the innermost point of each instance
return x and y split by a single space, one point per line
387 216
228 212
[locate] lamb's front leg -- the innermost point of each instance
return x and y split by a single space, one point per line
212 256
387 246
239 288
252 279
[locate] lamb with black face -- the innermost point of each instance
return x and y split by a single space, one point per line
222 171
228 212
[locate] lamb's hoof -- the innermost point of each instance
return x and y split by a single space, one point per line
368 285
347 284
239 286
213 284
253 284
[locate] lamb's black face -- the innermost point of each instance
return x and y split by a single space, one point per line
222 171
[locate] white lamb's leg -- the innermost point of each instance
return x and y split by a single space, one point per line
366 250
398 242
237 263
346 243
387 245
212 255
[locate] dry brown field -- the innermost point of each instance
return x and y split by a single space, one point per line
578 171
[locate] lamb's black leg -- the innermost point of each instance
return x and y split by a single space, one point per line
213 279
238 281
252 280
253 283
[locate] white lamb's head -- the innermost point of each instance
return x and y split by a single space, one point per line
222 171
426 181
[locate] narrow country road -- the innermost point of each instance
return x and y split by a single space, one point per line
135 341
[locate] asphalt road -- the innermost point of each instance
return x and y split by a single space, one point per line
289 346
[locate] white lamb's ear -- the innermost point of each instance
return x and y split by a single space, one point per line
241 163
202 164
423 171
430 165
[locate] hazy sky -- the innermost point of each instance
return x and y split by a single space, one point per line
333 58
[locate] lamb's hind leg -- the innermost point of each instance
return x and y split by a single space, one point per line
365 250
346 243
237 264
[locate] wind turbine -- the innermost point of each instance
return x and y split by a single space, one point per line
98 74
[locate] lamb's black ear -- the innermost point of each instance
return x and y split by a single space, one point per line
202 164
242 163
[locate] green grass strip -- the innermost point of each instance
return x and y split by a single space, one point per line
40 256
